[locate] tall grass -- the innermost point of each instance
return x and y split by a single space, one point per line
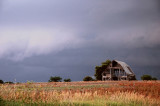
97 93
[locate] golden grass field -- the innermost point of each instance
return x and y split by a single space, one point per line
97 93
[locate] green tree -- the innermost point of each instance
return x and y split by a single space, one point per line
88 78
146 77
55 79
154 78
1 81
9 82
100 69
67 80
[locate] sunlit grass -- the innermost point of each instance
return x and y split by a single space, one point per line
83 93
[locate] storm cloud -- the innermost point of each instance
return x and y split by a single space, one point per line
69 38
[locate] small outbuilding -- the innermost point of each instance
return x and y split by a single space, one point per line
118 70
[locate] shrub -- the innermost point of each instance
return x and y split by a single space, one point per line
1 81
30 82
154 78
67 80
9 82
88 78
146 77
55 79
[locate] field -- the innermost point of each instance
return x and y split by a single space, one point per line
95 93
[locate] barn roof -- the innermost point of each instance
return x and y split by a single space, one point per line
126 67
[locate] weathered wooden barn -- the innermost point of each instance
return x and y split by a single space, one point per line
118 70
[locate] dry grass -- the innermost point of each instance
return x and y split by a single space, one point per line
100 93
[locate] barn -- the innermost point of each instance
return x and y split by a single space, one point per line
118 70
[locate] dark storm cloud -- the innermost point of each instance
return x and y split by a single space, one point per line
69 38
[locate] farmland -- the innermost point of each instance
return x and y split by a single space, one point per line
109 93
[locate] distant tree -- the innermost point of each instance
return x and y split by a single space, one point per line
154 78
67 80
1 81
30 82
9 82
88 78
55 79
146 77
100 69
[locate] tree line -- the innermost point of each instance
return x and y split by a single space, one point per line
58 79
97 75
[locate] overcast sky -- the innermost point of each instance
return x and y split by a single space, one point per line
68 38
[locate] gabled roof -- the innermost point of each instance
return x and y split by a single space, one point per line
125 67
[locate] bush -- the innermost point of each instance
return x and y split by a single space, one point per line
30 82
146 77
1 81
55 79
88 78
154 78
9 82
67 80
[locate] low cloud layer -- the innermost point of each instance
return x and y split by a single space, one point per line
18 44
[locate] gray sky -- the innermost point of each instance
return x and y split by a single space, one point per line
68 38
